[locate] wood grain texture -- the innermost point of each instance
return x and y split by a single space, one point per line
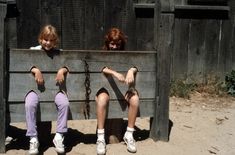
3 10
21 81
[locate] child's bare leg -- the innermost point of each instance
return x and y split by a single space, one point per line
101 101
133 100
133 109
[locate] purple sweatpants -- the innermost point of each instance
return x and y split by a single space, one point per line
31 104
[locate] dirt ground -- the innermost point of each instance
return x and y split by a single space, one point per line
202 125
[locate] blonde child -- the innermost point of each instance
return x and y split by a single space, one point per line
48 40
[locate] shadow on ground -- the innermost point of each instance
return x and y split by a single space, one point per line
72 138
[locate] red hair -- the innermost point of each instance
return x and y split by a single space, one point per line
117 36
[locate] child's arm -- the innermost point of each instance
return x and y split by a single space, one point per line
109 71
60 74
130 77
37 75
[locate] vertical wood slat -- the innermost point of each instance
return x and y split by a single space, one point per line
94 22
232 41
130 29
3 10
28 23
179 66
196 50
224 61
73 24
212 41
163 30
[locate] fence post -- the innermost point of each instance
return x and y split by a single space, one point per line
3 10
163 30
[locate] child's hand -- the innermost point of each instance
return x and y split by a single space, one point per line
130 78
38 76
119 76
60 75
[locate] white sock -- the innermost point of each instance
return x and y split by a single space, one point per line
34 139
58 135
129 132
100 134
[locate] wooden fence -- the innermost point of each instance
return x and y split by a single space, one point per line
203 30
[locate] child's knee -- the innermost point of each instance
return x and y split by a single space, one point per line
134 100
102 98
61 100
31 100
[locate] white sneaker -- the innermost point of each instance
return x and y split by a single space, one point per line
8 140
101 147
59 146
130 142
33 147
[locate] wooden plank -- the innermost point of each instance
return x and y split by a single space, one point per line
145 27
180 2
20 84
119 60
163 42
11 32
128 25
73 24
180 51
93 23
203 7
144 5
167 6
113 14
3 11
231 57
28 23
196 51
224 52
47 110
212 41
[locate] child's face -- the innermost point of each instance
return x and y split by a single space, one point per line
114 45
48 43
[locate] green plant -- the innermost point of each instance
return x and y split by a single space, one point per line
230 82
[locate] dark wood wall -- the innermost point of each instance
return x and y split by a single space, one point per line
203 40
203 31
81 24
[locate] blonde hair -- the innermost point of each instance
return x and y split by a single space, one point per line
117 36
48 32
